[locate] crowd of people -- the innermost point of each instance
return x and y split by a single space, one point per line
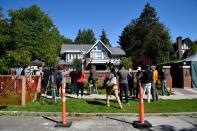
117 82
125 80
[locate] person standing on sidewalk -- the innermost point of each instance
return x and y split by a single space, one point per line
123 82
139 78
154 81
92 77
61 79
73 76
45 79
163 78
53 84
130 83
80 81
147 83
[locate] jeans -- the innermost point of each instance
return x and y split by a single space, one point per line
147 87
131 89
124 87
154 92
80 86
73 87
163 85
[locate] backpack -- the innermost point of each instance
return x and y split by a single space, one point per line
59 77
146 77
112 81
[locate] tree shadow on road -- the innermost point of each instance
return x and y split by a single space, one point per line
166 128
119 120
47 118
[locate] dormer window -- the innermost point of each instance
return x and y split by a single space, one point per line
95 48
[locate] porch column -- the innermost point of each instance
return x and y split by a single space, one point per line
169 76
185 77
68 57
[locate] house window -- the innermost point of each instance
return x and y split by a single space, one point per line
98 55
95 48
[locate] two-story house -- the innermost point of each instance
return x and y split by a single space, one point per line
97 54
182 47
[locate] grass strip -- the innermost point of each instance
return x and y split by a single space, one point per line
99 106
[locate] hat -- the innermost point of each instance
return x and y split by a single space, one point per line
153 67
139 68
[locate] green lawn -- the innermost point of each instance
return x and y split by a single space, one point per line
99 106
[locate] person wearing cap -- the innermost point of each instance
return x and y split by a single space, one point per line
130 82
163 78
146 80
138 77
80 81
154 80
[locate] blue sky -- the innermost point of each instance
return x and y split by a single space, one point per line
179 16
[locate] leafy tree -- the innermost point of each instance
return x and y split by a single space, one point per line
3 66
5 37
66 40
157 44
33 31
127 62
104 39
193 48
18 58
146 38
77 63
85 37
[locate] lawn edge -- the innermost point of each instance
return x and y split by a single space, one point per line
58 114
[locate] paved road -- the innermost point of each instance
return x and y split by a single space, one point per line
172 123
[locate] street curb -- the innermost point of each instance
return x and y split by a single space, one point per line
58 114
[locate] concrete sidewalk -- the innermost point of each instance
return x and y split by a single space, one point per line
188 93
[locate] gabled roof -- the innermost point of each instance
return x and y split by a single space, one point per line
102 44
117 51
88 47
190 58
186 39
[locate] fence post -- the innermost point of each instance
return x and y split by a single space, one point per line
23 94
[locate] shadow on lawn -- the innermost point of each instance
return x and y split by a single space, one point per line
100 102
95 102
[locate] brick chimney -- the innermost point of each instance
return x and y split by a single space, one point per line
179 45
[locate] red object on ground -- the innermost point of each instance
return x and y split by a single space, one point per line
141 105
63 105
141 123
170 86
